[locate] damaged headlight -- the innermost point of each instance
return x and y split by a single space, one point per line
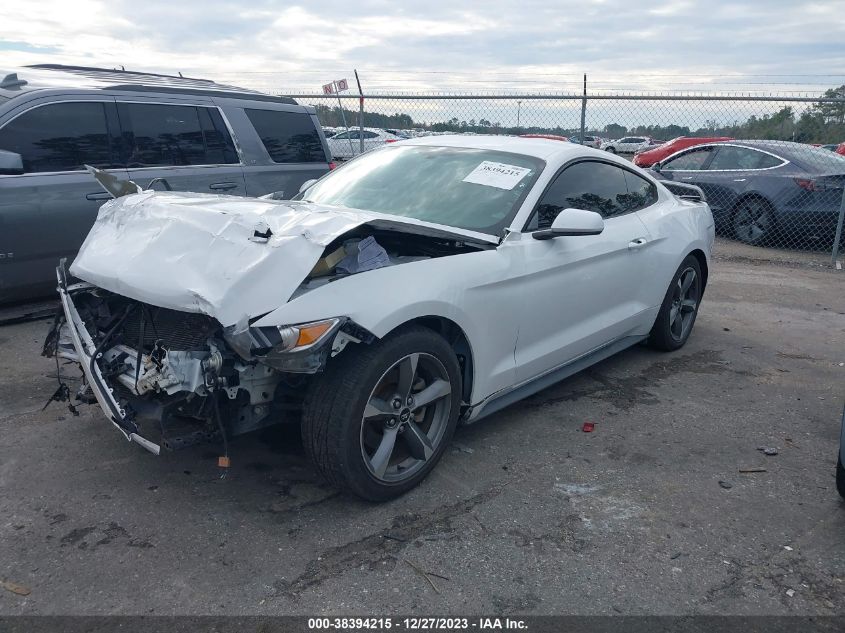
261 341
290 337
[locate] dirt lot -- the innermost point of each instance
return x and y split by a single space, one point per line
527 514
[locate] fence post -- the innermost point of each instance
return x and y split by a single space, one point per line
837 239
584 109
360 111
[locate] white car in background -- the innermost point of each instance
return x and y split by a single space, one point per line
425 284
347 144
627 145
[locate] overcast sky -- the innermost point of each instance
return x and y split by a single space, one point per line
524 45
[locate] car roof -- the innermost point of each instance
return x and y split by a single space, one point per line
52 76
537 147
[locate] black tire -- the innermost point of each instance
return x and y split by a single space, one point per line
665 334
333 426
611 150
753 221
840 477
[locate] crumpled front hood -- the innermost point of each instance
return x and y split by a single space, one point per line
205 253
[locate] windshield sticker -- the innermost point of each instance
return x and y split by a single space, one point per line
497 175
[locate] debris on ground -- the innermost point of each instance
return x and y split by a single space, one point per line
725 484
461 448
790 592
768 450
425 574
15 588
588 427
787 548
752 470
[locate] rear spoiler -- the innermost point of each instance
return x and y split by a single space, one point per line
685 191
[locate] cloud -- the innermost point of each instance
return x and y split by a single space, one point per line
500 45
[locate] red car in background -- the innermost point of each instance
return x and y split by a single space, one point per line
840 149
648 157
552 137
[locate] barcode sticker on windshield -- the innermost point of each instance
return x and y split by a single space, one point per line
497 175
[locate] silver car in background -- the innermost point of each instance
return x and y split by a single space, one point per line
160 131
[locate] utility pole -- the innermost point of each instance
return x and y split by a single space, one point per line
343 116
518 108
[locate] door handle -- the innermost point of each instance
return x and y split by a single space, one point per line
739 179
687 178
100 195
637 244
222 186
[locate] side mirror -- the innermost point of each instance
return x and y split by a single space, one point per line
571 222
11 164
306 184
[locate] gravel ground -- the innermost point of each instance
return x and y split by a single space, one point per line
526 514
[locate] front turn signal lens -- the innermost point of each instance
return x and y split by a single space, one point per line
312 332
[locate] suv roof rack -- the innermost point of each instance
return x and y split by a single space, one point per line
135 80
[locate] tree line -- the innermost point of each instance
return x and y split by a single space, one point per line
821 122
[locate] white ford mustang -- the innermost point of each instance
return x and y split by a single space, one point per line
424 284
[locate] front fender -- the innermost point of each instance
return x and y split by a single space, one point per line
476 290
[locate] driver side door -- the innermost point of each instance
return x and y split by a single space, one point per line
580 293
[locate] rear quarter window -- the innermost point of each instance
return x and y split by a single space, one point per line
289 137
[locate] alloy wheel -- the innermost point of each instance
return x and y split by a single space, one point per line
685 297
753 221
406 417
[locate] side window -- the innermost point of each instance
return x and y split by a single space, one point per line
161 135
341 136
641 192
368 134
60 137
732 157
219 149
289 137
588 185
691 161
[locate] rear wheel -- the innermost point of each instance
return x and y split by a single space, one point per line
754 221
679 308
611 150
377 422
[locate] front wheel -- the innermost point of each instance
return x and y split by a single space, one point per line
679 308
611 150
380 417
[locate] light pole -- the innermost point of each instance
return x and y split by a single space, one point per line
518 108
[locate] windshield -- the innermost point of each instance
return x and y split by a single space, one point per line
473 189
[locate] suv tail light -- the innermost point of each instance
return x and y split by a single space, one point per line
390 140
806 184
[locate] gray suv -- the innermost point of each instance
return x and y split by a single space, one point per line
162 132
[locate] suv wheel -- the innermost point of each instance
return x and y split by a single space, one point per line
380 417
611 150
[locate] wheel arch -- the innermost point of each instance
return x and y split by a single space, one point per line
702 262
751 195
457 339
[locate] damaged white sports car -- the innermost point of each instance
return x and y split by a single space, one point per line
428 283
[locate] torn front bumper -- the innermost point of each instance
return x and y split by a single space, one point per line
88 356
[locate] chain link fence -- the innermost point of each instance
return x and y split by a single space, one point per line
768 165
